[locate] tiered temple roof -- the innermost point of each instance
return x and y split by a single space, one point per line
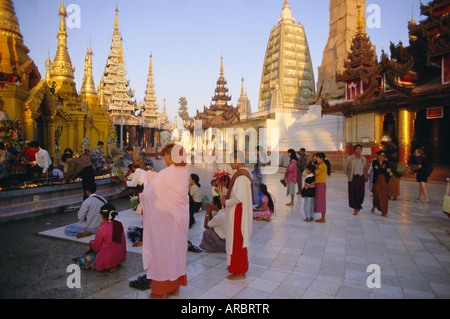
220 112
115 87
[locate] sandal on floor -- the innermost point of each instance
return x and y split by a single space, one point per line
142 283
193 248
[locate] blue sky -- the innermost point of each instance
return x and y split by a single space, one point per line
187 38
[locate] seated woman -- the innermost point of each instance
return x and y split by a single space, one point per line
108 249
264 211
215 229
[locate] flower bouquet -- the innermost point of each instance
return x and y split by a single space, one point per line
119 174
136 204
222 179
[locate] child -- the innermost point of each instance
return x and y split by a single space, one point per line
308 193
108 249
323 169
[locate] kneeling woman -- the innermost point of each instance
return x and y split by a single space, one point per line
108 249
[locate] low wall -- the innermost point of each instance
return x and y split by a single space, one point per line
28 202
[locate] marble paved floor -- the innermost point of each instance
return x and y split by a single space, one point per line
291 259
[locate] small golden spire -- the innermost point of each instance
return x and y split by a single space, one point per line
413 21
116 24
48 65
360 22
242 88
151 65
221 66
88 86
62 65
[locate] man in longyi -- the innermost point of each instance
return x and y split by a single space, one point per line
165 202
239 216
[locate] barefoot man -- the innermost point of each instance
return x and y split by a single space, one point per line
239 214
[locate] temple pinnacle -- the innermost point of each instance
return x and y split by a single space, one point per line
286 14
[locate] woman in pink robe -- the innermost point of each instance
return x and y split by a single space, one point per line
165 202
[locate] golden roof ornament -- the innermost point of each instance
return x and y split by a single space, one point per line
48 66
360 22
88 86
62 68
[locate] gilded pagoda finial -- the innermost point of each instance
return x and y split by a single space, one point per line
48 65
151 64
221 65
62 65
116 23
360 22
88 86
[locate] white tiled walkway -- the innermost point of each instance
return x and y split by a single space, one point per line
291 259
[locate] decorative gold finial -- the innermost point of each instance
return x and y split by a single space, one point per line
151 64
88 86
48 65
221 65
360 22
116 24
62 65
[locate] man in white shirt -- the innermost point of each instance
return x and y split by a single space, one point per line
136 184
43 163
89 214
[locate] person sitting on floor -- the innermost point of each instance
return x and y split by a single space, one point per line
108 250
264 211
215 229
88 215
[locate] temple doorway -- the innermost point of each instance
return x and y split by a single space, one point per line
430 134
389 139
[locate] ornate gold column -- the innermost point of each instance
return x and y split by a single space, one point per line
71 134
27 124
50 138
404 135
80 135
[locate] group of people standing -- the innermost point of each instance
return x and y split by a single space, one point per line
314 190
385 178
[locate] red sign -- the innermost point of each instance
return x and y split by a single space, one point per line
435 113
